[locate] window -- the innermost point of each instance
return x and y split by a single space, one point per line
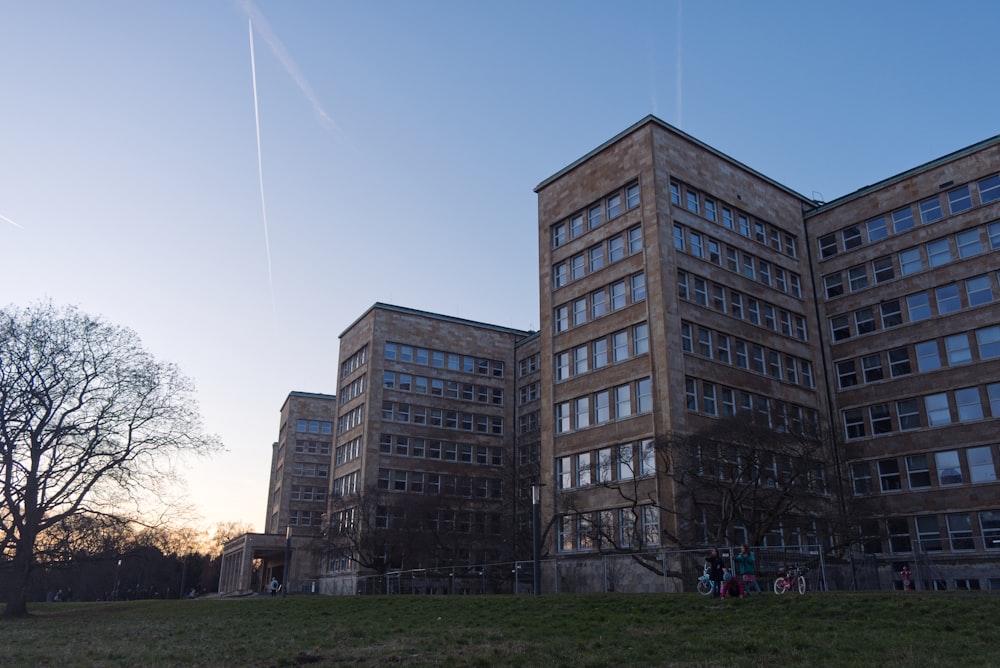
581 412
564 473
908 414
827 246
989 522
710 209
613 205
930 210
948 467
596 254
854 423
864 321
563 418
882 269
847 375
938 252
644 395
910 261
988 340
714 252
583 469
881 420
705 342
969 243
947 298
619 346
891 314
840 327
576 226
928 534
632 196
634 240
594 216
993 230
675 193
957 349
872 367
577 267
833 284
993 391
888 475
861 477
638 287
960 532
692 201
618 300
598 303
727 218
602 407
902 219
917 471
603 472
969 404
626 471
877 229
989 189
560 318
580 358
579 312
852 237
748 266
857 278
937 409
690 395
616 248
708 398
899 362
959 200
640 339
928 358
623 401
979 290
600 351
981 464
918 306
562 366
558 235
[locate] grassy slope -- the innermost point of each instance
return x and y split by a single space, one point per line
836 629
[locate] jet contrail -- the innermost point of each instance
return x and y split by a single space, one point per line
281 53
3 217
260 169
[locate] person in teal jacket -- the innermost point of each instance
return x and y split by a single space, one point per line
746 568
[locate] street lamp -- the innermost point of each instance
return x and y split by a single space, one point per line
288 559
536 535
114 594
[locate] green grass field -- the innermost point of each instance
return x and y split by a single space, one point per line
819 629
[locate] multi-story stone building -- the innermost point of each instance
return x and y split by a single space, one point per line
679 290
424 451
908 297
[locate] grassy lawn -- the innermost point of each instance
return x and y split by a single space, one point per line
832 629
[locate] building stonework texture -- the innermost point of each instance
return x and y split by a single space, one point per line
679 287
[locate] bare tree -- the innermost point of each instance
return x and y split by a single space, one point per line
87 419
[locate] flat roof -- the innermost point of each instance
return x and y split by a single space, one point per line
680 133
436 316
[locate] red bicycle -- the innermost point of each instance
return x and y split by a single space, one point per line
790 578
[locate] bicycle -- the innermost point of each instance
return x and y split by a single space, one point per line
705 584
790 578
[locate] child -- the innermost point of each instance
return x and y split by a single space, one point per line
731 586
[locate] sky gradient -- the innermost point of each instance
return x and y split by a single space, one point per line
400 143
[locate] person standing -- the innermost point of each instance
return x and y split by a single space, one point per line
274 586
746 568
714 564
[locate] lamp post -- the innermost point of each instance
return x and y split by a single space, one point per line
114 594
536 535
288 560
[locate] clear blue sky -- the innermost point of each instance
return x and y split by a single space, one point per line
400 143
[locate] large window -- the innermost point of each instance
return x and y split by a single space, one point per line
948 468
981 467
888 475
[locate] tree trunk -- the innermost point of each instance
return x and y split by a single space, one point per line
17 595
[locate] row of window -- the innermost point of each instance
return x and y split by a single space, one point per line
528 393
909 261
964 532
931 410
349 451
902 219
310 470
597 257
737 261
529 422
601 352
623 462
346 485
351 419
972 292
761 232
437 387
307 493
929 355
437 417
718 400
305 518
917 473
443 360
593 215
354 362
466 453
695 289
600 302
309 447
604 406
438 521
744 355
620 528
771 469
439 484
313 427
353 389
